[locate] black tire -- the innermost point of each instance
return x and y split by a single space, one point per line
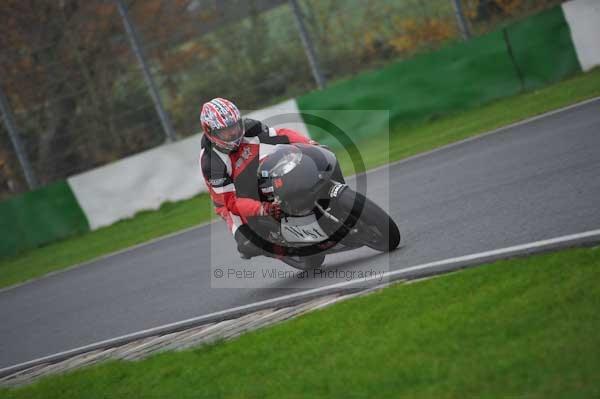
313 261
376 229
305 262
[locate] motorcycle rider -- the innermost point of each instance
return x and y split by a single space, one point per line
231 150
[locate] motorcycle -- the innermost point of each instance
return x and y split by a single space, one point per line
321 214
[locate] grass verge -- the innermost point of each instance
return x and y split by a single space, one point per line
515 328
403 142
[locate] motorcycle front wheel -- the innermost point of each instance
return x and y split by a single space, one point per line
373 226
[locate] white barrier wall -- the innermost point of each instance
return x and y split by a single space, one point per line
146 180
287 108
143 181
583 17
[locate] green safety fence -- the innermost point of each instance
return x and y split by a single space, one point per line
39 217
457 77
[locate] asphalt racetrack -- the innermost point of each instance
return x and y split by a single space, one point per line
531 182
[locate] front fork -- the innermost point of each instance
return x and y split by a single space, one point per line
340 225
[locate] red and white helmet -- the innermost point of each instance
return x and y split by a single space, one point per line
222 124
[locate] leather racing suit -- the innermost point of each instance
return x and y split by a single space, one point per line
232 181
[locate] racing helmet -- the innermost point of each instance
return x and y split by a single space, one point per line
222 124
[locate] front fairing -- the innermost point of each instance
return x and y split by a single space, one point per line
298 181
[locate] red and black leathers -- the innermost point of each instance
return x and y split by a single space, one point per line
231 178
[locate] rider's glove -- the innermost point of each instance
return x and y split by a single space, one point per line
271 209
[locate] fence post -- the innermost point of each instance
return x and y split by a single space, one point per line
137 49
308 45
13 132
461 19
513 59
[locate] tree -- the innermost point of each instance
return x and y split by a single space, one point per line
54 70
75 89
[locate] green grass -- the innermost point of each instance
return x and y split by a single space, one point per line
521 328
403 142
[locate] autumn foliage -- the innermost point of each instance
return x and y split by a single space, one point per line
74 86
80 100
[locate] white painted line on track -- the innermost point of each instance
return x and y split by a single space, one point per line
466 258
487 256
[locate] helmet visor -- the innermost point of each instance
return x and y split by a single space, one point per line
231 134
